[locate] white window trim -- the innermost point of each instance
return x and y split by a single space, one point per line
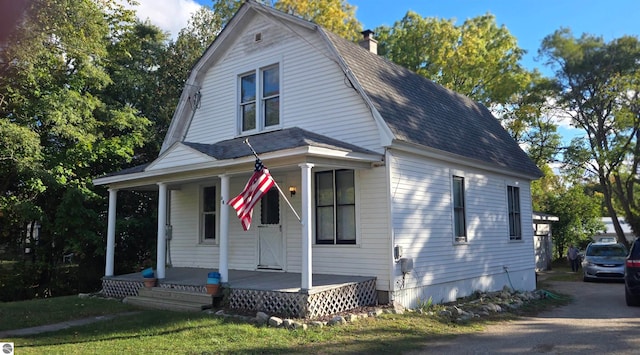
201 240
356 187
460 174
257 70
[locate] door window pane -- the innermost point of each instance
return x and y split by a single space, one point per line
270 207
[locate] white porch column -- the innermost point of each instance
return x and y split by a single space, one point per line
223 268
162 222
111 232
307 271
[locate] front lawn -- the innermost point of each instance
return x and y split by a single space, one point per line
152 331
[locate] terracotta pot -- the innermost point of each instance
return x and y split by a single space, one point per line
212 289
150 282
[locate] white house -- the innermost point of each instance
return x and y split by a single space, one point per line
396 178
609 230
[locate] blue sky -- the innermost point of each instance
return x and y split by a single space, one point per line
529 21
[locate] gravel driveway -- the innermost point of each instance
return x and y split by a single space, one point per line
598 321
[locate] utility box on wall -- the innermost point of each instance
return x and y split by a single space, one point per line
406 265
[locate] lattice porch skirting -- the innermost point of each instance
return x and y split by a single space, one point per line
124 288
306 305
288 304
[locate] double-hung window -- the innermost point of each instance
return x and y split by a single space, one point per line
513 200
208 215
335 200
260 99
459 224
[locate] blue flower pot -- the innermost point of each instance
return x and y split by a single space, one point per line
213 278
147 273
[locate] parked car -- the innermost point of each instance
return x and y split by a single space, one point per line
632 275
604 261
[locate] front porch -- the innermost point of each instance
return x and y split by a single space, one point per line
275 293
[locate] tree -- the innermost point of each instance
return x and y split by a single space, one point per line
578 214
53 77
477 59
598 87
531 121
337 16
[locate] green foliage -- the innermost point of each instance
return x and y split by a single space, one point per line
477 59
578 213
65 123
597 85
337 16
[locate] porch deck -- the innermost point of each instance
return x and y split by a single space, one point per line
272 292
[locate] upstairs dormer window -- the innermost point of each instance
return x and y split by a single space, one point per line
260 99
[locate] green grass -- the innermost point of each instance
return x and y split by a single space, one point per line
561 271
174 332
26 314
153 331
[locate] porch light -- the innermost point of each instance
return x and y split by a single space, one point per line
292 190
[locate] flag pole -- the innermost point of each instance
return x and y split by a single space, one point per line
246 141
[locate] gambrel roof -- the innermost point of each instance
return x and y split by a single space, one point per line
419 111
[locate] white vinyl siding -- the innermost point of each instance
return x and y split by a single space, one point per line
185 247
306 106
179 155
372 255
423 227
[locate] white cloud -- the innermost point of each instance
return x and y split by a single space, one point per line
170 15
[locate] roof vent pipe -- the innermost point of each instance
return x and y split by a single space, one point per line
368 42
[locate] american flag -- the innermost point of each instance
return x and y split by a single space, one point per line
260 182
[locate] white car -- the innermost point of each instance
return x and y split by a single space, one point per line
607 240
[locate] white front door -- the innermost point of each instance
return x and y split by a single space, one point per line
270 238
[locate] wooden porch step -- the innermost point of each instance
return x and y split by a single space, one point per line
172 294
169 299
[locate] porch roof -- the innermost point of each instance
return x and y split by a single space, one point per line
234 156
274 141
